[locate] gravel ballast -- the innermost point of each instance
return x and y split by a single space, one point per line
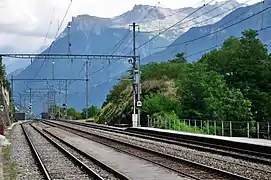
237 166
57 164
22 156
104 174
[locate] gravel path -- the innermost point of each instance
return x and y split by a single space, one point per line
57 164
21 155
241 167
104 174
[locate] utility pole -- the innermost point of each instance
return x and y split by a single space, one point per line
135 117
30 101
20 100
134 64
59 99
66 98
48 102
69 39
54 100
139 103
30 96
87 89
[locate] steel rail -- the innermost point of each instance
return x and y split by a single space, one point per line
89 171
36 155
199 166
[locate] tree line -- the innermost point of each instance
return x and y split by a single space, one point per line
72 113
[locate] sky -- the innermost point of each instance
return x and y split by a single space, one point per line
24 23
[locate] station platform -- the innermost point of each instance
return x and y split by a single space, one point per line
251 144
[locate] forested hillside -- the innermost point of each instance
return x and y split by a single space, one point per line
228 84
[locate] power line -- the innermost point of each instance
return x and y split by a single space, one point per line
213 47
120 42
189 55
58 29
128 53
165 30
220 29
207 12
234 18
49 28
46 36
117 46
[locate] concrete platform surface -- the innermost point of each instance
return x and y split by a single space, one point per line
129 165
260 142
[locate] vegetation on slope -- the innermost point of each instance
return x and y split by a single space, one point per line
6 85
227 84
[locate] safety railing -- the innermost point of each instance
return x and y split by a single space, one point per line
248 129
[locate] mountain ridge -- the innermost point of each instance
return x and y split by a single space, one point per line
89 35
212 40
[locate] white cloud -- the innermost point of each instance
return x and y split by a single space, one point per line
24 23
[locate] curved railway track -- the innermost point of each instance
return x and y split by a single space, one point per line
50 152
183 166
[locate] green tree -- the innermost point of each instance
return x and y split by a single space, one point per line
155 103
205 95
73 113
246 65
92 112
179 58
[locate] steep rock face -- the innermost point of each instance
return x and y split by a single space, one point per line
199 40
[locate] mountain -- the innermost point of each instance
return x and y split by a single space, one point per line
156 19
95 35
197 40
14 73
12 64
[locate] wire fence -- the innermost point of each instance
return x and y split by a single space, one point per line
248 129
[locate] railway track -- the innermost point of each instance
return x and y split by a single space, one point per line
59 160
182 166
251 156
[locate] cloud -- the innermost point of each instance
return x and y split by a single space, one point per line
20 43
24 23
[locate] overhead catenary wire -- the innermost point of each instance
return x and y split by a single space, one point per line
196 17
227 26
58 29
119 43
196 10
219 30
219 45
232 19
189 55
175 24
45 39
155 36
217 15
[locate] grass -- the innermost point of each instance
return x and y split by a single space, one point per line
10 168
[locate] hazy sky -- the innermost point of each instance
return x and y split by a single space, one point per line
24 23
